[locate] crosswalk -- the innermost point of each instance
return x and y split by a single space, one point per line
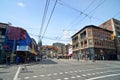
69 74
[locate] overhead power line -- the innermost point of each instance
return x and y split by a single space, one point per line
51 38
116 14
97 6
44 16
89 5
81 12
49 18
91 12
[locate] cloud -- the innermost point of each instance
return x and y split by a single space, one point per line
21 4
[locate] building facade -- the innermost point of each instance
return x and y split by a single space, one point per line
15 41
3 27
50 51
61 52
113 25
93 42
68 51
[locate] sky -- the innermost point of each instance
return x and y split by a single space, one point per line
69 16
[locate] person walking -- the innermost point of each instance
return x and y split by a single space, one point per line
28 60
17 60
8 60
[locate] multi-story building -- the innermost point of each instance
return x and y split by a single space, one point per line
93 42
68 50
50 51
15 41
61 52
3 27
113 25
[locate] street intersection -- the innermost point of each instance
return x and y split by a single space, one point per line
62 69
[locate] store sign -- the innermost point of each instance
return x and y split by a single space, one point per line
70 52
23 48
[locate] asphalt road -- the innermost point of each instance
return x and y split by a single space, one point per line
53 69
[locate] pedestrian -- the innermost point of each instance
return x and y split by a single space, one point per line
8 60
28 59
36 59
93 57
41 56
17 60
78 57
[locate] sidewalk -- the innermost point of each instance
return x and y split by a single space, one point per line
74 60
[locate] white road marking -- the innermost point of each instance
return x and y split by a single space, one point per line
84 75
35 76
26 77
58 79
49 74
66 72
78 76
88 74
42 75
60 73
75 71
55 73
66 78
17 73
103 76
72 77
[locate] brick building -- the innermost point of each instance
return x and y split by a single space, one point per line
113 25
93 42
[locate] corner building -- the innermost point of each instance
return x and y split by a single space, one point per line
93 42
113 25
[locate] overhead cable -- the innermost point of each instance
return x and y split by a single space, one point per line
49 18
92 11
44 16
50 38
81 12
116 14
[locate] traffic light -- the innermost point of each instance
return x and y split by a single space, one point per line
112 36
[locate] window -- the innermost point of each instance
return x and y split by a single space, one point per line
77 45
89 33
104 26
117 28
118 33
82 44
90 42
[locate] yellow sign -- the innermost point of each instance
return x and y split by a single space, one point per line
112 36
